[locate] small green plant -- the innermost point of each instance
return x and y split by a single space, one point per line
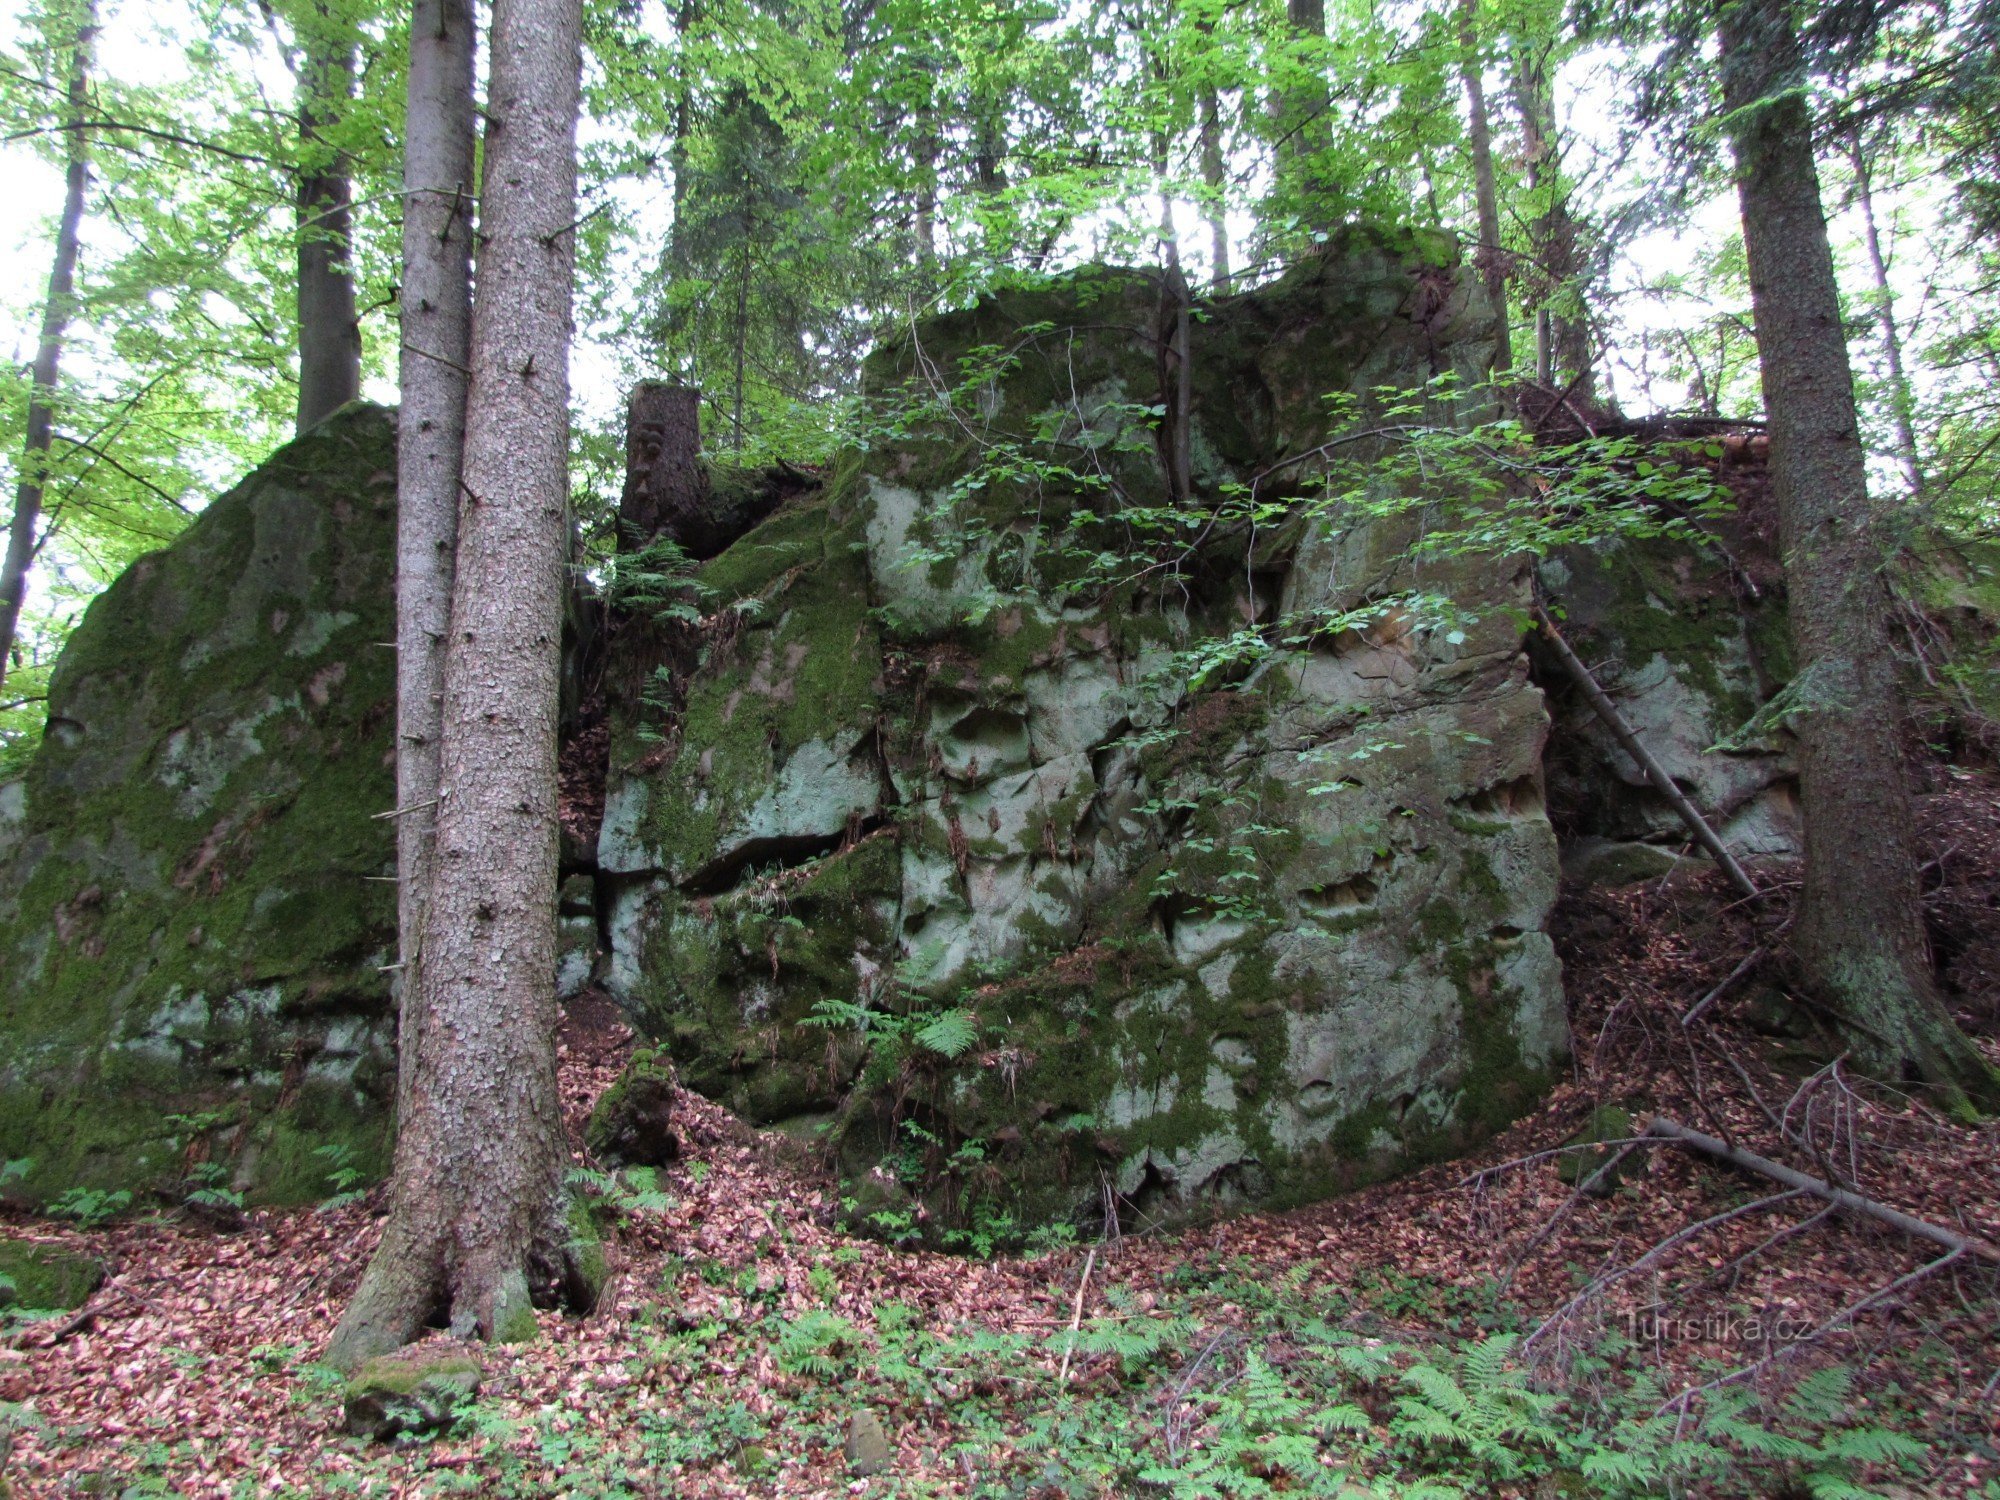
91 1207
816 1343
210 1187
342 1175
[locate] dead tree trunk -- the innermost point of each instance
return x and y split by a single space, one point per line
666 487
478 1224
1859 933
329 328
56 311
436 355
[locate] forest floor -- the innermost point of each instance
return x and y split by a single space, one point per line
1427 1330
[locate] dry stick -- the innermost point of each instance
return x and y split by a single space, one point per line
1556 1320
1750 962
1839 1320
1749 1161
1076 1317
1655 772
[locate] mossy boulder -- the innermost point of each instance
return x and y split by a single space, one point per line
1609 1129
34 1274
633 1123
941 837
420 1392
192 920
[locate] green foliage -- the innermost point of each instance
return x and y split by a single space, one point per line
342 1175
90 1207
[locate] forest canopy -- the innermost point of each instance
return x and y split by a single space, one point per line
767 188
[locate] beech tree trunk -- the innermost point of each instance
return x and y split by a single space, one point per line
479 1222
329 328
1490 259
1215 206
1562 336
56 311
1301 114
1859 934
436 298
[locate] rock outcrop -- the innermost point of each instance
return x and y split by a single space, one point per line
1033 884
192 919
1039 892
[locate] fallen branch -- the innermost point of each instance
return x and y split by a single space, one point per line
1832 1325
1749 1161
1656 773
1076 1316
1750 962
1602 1283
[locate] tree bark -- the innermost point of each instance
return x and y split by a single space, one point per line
1490 259
1215 178
436 301
1900 399
1562 338
666 487
1301 114
1859 934
56 312
329 327
479 1217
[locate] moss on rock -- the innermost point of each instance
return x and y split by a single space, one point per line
420 1392
189 930
46 1276
1247 943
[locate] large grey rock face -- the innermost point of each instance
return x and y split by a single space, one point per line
1025 883
1689 647
191 934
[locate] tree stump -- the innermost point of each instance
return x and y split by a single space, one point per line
666 484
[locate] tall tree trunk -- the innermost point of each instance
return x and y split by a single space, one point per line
1562 337
685 16
478 1218
436 357
1859 933
925 151
1301 112
1490 259
742 340
1215 178
1900 399
56 311
329 327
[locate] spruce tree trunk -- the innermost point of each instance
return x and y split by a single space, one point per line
436 298
1490 258
329 328
1858 934
56 311
1901 400
478 1224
